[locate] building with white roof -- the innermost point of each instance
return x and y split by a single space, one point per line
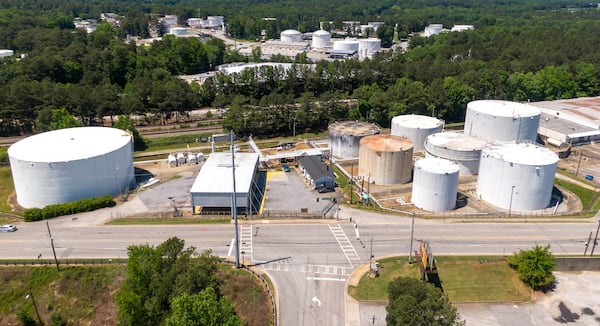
213 188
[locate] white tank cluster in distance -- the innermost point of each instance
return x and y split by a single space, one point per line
516 176
505 121
416 128
385 159
70 164
435 184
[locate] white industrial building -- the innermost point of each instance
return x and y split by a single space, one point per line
213 187
435 184
433 29
6 53
416 128
506 121
385 159
516 176
70 164
572 121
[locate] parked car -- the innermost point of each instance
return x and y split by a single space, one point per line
286 168
8 228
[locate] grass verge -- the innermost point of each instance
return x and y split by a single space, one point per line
85 295
463 279
156 221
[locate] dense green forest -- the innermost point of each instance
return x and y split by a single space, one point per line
519 50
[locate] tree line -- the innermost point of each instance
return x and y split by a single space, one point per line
519 50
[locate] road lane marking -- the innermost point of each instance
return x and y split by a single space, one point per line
231 247
326 279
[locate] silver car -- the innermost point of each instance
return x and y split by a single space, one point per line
8 228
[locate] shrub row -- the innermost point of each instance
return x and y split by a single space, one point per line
79 206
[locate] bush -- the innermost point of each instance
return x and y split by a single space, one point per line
79 206
534 267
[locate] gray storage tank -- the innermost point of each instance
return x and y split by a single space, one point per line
345 136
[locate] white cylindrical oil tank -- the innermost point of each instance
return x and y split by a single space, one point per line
368 46
200 157
502 121
457 147
321 39
70 164
516 176
291 36
385 159
435 184
345 136
178 31
191 158
172 160
416 128
180 158
346 45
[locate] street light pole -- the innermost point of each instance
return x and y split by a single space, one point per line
512 190
30 295
412 233
234 204
595 239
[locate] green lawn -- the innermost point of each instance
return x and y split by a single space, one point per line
463 279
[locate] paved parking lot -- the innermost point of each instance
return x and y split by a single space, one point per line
288 191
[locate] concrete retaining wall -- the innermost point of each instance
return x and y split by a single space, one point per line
568 264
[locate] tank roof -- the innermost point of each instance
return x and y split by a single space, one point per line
70 144
417 121
456 141
386 143
438 165
321 32
354 128
521 153
290 32
504 108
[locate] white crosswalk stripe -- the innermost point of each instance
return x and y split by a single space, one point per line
345 245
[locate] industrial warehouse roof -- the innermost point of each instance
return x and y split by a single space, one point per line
584 112
216 175
315 167
70 144
520 153
503 108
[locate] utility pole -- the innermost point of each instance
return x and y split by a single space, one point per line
54 252
587 244
412 233
578 163
595 238
37 312
234 204
371 255
512 190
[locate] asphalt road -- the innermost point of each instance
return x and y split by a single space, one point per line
309 263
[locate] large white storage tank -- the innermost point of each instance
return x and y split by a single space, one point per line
70 164
368 46
291 36
502 121
321 39
385 159
345 136
457 147
416 128
435 184
516 176
346 45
